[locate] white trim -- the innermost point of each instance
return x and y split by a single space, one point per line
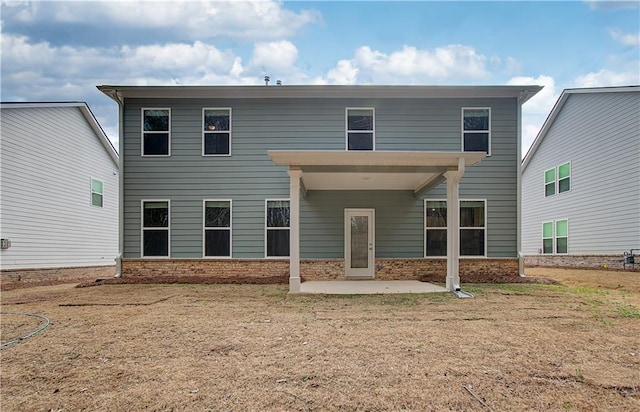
204 228
91 179
168 228
371 256
346 129
218 132
142 132
276 228
485 228
488 153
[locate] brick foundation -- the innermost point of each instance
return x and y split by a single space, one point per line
579 261
15 278
277 270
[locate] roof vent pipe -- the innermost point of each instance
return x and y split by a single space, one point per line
266 80
278 82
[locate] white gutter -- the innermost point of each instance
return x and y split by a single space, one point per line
519 189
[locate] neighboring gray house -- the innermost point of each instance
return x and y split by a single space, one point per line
581 180
59 188
319 182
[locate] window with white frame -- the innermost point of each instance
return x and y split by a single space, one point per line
476 130
550 182
561 175
360 129
156 132
555 237
216 133
277 228
97 193
217 228
473 228
564 177
155 228
436 228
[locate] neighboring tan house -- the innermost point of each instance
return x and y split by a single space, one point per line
320 182
59 188
581 180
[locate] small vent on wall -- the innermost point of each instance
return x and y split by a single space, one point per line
5 243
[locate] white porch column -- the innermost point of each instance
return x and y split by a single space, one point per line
453 226
294 230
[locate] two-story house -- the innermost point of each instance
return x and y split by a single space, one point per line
320 182
58 191
581 180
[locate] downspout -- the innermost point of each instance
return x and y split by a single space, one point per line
519 187
116 96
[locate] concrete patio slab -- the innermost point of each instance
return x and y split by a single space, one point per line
369 287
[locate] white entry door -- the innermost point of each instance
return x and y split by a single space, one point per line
359 248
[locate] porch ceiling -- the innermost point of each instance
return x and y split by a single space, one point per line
378 170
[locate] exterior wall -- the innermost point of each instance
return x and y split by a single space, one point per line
49 156
599 133
277 270
248 176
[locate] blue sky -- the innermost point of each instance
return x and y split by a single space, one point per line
59 51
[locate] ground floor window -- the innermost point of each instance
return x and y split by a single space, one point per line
277 225
155 228
217 228
472 228
555 237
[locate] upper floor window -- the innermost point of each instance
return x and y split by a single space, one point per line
557 179
216 134
360 129
156 132
155 228
277 228
97 193
476 130
550 182
217 228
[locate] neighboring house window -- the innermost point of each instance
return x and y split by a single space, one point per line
555 237
216 134
360 129
277 228
217 228
547 237
436 228
476 130
562 236
550 182
97 193
156 132
155 228
472 227
564 177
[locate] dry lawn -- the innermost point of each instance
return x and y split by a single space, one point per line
254 348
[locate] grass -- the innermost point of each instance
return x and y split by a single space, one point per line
237 347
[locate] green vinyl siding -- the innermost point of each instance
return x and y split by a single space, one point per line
248 176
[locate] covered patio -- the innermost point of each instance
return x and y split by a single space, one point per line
418 172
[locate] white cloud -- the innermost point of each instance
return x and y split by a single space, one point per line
411 65
249 20
628 39
274 57
536 110
605 77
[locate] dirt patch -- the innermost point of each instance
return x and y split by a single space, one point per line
592 278
488 278
254 347
26 278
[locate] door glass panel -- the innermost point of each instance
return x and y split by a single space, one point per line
359 242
